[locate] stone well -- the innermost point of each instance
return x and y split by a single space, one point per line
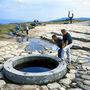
58 69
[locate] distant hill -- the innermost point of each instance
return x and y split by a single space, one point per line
82 18
7 21
64 18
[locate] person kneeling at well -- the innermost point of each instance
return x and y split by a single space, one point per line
64 44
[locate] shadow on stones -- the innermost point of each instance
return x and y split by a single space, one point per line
80 32
74 38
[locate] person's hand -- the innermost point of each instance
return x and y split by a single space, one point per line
63 46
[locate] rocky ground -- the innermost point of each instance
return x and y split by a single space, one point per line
78 75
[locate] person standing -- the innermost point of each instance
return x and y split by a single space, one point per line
22 29
17 27
27 28
66 45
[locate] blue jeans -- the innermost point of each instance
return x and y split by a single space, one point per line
67 50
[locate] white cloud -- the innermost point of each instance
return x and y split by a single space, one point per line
87 3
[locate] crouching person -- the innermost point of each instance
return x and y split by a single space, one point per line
58 42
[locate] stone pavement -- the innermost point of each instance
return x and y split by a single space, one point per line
78 75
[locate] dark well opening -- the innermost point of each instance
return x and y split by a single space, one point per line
37 65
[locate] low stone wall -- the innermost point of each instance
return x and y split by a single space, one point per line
34 78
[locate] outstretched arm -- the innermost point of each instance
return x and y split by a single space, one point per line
66 43
63 44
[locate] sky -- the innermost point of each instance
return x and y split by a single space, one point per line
43 10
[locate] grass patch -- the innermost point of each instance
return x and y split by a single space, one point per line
6 28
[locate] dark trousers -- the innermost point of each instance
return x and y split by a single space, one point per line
27 32
59 52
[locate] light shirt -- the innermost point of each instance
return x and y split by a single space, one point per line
27 28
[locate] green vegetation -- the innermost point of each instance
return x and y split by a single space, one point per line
6 28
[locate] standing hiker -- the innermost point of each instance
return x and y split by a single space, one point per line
27 28
17 27
22 29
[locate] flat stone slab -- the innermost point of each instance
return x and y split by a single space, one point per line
82 60
85 87
73 71
79 79
75 89
66 81
2 83
6 57
87 82
44 87
31 87
70 76
82 72
85 77
1 58
70 67
86 66
54 86
13 87
88 72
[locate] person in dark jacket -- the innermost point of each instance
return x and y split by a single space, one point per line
58 42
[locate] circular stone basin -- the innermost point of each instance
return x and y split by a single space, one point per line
34 69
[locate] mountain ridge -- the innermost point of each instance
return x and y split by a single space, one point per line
8 21
64 18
